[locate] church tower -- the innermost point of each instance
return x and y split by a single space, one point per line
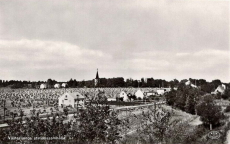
96 80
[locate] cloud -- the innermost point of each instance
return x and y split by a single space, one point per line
129 38
35 55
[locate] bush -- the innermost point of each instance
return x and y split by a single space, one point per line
209 112
227 109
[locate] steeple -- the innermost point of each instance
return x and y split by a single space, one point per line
97 76
96 80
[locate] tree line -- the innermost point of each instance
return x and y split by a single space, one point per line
204 85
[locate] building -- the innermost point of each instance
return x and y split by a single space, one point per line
150 93
160 91
57 85
43 86
111 99
71 99
64 85
124 96
220 89
139 94
97 80
189 83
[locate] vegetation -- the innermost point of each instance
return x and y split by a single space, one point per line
94 124
210 113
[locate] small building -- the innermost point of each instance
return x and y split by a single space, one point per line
124 96
57 85
139 94
189 83
160 91
111 99
150 93
43 86
220 89
64 85
71 99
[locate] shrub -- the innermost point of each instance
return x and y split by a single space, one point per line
227 109
209 112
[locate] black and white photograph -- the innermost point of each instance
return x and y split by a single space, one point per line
114 72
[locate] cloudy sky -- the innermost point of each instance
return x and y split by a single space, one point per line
63 39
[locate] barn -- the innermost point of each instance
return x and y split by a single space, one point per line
139 94
71 99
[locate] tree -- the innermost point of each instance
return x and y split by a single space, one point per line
209 112
98 124
170 97
156 125
216 83
226 94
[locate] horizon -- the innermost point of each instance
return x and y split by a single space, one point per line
123 38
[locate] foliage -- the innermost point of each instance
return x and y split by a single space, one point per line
96 123
226 94
227 109
155 125
185 98
170 97
210 113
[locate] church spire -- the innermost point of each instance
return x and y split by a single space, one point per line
97 76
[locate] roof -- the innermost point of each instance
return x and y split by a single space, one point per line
220 88
97 76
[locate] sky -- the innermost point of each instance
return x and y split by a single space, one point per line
63 39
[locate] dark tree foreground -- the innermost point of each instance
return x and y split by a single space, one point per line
210 113
97 123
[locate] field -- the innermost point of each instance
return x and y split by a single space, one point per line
46 101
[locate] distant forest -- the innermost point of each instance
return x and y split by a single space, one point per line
116 82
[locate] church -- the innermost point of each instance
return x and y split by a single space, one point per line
97 80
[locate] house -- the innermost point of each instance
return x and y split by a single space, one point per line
139 94
57 85
160 91
189 83
71 99
124 96
64 85
220 89
43 86
150 93
111 99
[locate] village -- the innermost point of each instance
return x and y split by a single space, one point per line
114 72
66 103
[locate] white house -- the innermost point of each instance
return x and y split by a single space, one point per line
189 83
57 85
124 96
151 93
220 89
64 85
43 86
74 99
111 99
160 91
139 94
